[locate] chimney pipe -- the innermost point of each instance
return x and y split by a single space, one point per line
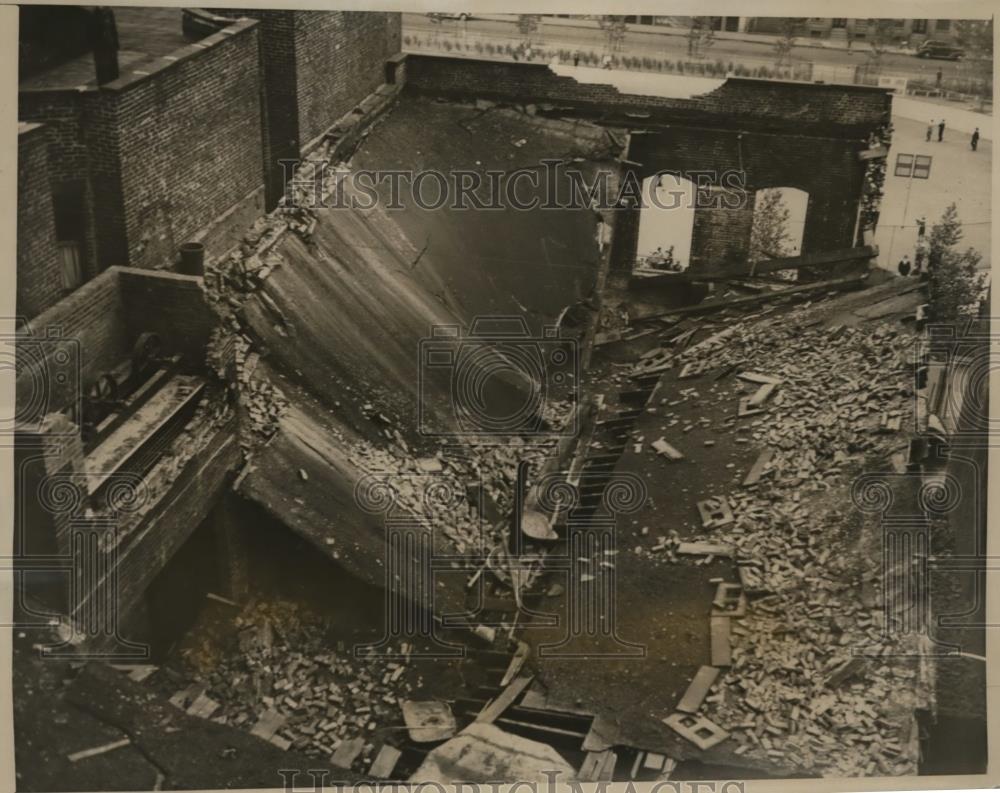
103 35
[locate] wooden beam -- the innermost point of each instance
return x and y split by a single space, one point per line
505 700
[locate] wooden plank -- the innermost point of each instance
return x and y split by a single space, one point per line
385 762
761 395
698 689
608 769
602 735
102 749
346 753
497 706
268 724
756 377
668 451
593 764
704 549
757 469
722 651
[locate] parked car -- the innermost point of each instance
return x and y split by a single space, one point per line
939 49
438 16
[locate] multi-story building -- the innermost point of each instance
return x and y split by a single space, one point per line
906 31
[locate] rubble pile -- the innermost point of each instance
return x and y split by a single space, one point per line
286 686
457 490
820 402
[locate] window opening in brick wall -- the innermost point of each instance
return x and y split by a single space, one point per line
666 222
779 224
69 209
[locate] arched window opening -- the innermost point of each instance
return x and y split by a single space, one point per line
666 223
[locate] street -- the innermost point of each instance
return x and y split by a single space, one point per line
663 43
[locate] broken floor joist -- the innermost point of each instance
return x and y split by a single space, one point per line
506 698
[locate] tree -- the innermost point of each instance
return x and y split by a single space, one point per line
883 34
954 279
700 36
528 24
614 28
976 36
785 43
769 237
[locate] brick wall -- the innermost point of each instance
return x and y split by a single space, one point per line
64 114
316 66
64 349
340 57
161 152
190 141
740 103
827 169
169 304
721 234
39 283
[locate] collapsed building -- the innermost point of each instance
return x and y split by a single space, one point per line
226 434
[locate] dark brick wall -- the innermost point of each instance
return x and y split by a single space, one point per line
317 65
39 284
740 103
63 350
168 304
721 234
65 115
93 330
775 134
190 142
340 57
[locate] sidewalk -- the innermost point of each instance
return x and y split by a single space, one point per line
955 118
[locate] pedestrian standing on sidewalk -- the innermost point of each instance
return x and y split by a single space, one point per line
904 266
930 129
975 139
941 130
576 57
937 80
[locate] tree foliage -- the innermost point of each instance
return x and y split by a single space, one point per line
769 237
976 36
882 34
785 43
528 24
954 279
700 36
614 27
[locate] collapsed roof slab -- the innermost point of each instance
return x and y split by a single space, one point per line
343 314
